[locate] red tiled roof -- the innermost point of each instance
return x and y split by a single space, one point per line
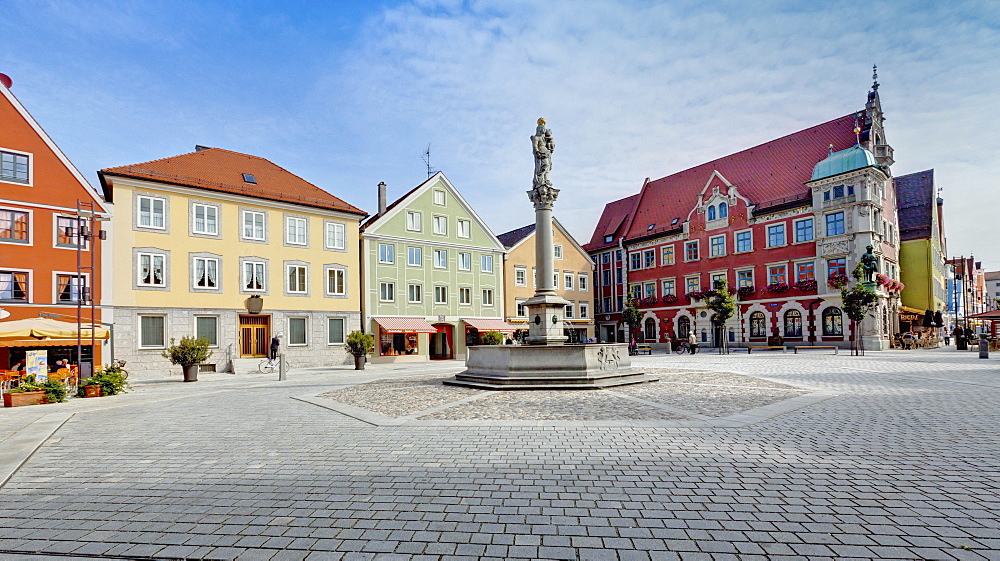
215 169
771 171
612 222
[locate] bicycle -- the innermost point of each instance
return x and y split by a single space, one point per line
269 365
684 347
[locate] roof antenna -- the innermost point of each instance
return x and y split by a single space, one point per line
426 157
875 77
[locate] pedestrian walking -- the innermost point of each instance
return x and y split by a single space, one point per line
275 345
692 343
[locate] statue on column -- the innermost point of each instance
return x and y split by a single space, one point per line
869 265
542 144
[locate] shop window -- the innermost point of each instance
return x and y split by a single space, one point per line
793 323
683 327
758 326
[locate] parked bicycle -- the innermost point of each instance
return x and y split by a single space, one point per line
269 365
684 347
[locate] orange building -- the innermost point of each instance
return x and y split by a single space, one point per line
42 269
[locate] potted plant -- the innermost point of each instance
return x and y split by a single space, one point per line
189 353
28 392
108 381
359 344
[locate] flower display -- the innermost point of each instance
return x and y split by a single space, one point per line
745 291
808 285
837 282
669 298
777 287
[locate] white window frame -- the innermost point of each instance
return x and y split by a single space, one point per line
263 276
520 276
584 310
568 311
194 271
687 283
557 251
204 316
440 294
745 270
581 281
668 286
31 168
439 198
440 258
736 241
80 288
464 261
519 308
387 254
711 245
253 225
414 252
194 219
697 246
329 332
298 228
663 255
335 235
795 229
465 295
302 275
340 272
419 293
488 297
152 213
386 292
305 331
486 263
784 235
414 221
163 343
138 269
464 228
440 225
568 281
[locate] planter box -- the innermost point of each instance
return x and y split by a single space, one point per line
23 398
92 391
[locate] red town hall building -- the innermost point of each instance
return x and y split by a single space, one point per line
775 221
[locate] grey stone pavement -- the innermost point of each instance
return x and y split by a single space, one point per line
899 460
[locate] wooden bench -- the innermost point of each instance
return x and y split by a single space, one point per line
836 349
644 349
752 349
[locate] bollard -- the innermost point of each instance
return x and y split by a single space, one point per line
281 367
984 347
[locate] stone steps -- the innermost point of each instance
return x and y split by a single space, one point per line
488 382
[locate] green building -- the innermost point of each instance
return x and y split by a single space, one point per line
433 273
923 248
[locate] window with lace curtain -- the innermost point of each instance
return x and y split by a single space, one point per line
151 269
13 226
206 272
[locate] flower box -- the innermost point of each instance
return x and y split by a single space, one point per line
19 399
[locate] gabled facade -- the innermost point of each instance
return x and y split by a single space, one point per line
923 252
573 269
775 222
433 274
39 236
233 248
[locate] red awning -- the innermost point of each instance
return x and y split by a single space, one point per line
405 325
992 314
490 324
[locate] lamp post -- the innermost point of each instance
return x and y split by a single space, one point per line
83 236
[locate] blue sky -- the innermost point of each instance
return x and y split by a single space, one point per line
347 94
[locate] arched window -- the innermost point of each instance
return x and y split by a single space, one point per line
723 210
649 329
833 322
711 213
793 323
683 327
757 325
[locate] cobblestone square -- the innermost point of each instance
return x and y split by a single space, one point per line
895 455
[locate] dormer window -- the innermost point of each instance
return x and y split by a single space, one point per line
249 178
609 239
723 210
711 213
838 192
674 221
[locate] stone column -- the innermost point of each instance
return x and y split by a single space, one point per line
545 309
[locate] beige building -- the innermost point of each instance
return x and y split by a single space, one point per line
572 274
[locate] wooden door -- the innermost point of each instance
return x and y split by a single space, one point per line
255 336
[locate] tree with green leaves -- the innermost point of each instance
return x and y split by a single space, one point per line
859 300
632 317
721 302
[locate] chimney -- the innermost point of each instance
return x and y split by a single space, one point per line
381 198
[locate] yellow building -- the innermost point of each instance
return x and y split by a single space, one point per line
573 268
233 248
923 248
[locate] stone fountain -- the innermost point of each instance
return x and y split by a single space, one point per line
546 361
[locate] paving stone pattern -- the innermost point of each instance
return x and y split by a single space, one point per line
903 464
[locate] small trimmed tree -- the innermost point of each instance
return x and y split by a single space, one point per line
632 317
721 301
859 301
